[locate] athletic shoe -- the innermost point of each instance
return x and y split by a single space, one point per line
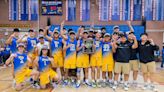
152 87
77 85
145 87
88 83
36 85
94 84
65 82
99 84
126 87
114 87
103 84
54 85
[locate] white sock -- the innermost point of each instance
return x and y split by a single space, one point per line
78 81
98 80
115 82
86 80
104 80
93 80
110 81
126 83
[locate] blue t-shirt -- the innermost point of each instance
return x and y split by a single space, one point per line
162 53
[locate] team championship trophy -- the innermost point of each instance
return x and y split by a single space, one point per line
88 46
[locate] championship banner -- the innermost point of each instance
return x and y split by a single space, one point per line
33 10
51 7
158 9
137 14
104 10
84 10
70 10
13 10
115 9
148 9
162 13
24 10
126 9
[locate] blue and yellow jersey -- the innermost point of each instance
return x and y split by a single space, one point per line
31 42
20 62
56 47
81 50
107 52
13 45
43 63
98 52
71 51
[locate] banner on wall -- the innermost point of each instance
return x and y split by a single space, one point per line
51 7
70 10
33 10
13 10
104 10
137 10
24 10
84 10
115 9
126 9
148 10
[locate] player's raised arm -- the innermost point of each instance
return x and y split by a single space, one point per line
135 44
130 26
47 37
9 40
22 39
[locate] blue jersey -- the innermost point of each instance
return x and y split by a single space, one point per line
71 49
106 48
98 44
13 45
56 45
163 53
7 50
43 63
81 42
31 42
20 61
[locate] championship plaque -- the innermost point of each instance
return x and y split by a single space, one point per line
88 46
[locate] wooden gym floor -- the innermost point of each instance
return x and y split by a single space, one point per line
6 84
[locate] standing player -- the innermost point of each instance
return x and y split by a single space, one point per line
146 49
70 55
12 40
82 60
107 60
56 44
96 60
44 64
21 70
123 52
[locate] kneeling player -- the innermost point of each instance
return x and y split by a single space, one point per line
107 60
44 65
20 61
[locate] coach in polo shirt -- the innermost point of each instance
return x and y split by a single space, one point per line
123 53
146 49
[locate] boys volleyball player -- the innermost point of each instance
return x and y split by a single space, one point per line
31 42
146 49
21 70
56 46
44 64
123 52
107 60
70 55
96 60
82 60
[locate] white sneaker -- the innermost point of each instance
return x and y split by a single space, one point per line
126 88
145 87
152 87
114 87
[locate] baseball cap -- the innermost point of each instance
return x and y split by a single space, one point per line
106 35
41 36
115 27
20 44
45 47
